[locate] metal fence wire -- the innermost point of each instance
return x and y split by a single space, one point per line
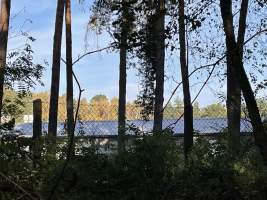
101 119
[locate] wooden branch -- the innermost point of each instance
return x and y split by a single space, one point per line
91 52
255 35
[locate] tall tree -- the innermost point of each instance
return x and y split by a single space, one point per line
159 29
53 108
233 88
234 52
122 76
123 13
4 26
188 109
69 100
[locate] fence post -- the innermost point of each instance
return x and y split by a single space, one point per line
37 130
37 119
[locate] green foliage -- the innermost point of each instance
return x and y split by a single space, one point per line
14 104
140 173
99 97
214 171
16 166
153 167
21 72
214 110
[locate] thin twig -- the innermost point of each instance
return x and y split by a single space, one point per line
255 35
208 65
200 90
195 70
91 52
71 142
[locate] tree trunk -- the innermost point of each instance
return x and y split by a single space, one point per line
53 108
122 82
4 26
188 109
233 100
159 64
260 134
235 55
233 87
69 97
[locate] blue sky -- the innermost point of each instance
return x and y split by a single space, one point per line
98 73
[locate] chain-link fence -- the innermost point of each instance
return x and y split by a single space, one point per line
101 120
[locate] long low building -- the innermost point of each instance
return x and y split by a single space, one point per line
90 128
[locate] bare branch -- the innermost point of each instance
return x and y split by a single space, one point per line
255 35
210 65
91 52
195 70
200 90
71 140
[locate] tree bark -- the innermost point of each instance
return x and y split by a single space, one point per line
53 108
235 53
233 87
4 26
159 64
122 81
260 134
69 97
233 102
188 109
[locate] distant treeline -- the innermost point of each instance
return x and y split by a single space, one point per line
101 108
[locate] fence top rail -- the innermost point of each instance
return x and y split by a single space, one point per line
131 136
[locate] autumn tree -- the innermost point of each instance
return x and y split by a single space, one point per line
45 98
262 104
214 110
84 113
196 109
99 107
113 110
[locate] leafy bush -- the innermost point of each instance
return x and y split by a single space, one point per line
214 171
152 168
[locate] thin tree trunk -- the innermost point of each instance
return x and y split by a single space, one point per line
159 64
69 97
188 109
235 53
260 134
4 26
242 26
233 87
233 100
53 108
122 82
